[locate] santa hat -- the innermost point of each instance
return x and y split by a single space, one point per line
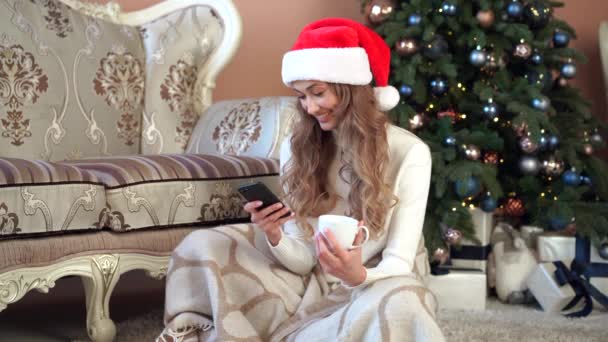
340 50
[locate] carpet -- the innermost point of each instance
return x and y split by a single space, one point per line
499 322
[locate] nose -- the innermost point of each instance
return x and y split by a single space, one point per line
311 106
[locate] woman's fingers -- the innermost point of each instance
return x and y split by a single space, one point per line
251 207
325 253
334 245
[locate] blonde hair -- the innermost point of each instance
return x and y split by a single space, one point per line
362 134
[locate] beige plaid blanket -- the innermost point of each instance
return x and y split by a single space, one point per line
223 284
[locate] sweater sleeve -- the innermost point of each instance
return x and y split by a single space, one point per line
295 250
405 225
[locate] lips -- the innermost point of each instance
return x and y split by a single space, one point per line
324 118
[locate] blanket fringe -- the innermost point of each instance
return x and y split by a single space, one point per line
179 334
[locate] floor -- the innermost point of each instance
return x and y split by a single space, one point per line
61 314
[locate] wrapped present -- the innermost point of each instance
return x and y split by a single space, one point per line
530 235
471 254
552 295
584 260
553 247
459 289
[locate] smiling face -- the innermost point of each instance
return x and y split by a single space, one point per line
319 101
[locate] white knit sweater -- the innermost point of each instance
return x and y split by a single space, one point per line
408 175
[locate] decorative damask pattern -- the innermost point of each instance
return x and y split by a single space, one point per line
21 81
239 130
120 78
177 90
57 19
9 222
223 203
111 219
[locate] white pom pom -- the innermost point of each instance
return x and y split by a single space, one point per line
386 97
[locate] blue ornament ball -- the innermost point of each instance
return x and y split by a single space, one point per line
414 19
448 8
467 187
478 58
568 70
541 103
553 142
515 9
560 39
450 141
586 180
557 223
406 90
488 204
439 86
537 59
571 178
490 110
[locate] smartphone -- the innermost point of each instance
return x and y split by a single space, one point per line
259 192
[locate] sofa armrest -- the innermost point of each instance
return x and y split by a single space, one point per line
249 127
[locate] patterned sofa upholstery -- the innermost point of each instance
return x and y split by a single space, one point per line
111 149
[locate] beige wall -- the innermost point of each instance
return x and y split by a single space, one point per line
270 29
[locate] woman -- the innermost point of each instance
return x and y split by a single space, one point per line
280 279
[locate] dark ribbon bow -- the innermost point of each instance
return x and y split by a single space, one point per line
581 270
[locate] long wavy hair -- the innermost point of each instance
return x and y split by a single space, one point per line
364 155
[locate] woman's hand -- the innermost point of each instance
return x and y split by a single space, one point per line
269 219
345 265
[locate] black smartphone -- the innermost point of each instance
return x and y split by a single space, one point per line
259 192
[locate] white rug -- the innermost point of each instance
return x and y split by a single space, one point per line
499 322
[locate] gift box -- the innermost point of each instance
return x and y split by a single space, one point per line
459 289
469 254
556 248
543 284
530 234
564 248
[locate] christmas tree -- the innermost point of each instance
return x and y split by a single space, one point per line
485 83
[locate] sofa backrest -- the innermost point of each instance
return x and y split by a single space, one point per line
82 80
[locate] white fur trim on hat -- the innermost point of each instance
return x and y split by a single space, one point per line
387 97
335 65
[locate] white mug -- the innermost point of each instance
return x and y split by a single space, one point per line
344 228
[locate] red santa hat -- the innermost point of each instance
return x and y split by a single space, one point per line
340 50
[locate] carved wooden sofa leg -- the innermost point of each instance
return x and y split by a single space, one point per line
106 271
99 274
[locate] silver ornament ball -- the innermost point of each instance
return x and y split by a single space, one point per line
529 165
472 152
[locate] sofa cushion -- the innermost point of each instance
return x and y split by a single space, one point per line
44 197
151 191
71 86
245 127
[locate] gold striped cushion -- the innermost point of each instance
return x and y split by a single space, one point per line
44 197
151 191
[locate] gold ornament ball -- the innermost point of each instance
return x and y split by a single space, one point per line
523 50
453 236
588 149
472 152
406 47
521 129
485 18
378 10
527 145
553 166
441 255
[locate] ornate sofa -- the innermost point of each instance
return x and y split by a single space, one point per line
111 149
